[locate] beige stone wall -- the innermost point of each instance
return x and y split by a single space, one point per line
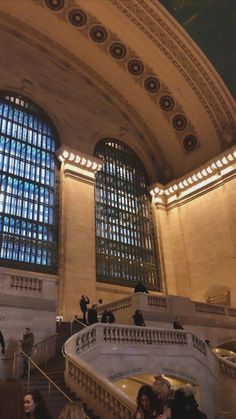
77 244
199 245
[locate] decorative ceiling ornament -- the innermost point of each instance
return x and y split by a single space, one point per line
136 67
131 62
190 142
77 17
98 33
150 19
179 122
55 4
118 50
167 103
152 84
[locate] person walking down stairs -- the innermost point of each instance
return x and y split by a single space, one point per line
35 407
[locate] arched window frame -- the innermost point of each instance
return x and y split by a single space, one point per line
29 186
126 247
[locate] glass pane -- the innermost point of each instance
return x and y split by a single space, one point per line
125 243
28 169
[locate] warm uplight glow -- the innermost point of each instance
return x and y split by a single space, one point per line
204 177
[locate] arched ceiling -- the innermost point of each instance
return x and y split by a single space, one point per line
118 68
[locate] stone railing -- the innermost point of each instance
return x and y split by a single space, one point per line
25 283
231 311
117 335
227 367
106 400
117 305
167 307
157 301
84 379
210 308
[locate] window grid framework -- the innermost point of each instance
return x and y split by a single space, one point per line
125 243
28 186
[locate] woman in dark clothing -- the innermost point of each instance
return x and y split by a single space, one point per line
148 406
138 318
35 407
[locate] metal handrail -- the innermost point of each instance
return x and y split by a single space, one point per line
78 321
94 379
45 339
44 374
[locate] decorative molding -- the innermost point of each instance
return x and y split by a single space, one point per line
110 44
70 62
188 64
78 165
209 175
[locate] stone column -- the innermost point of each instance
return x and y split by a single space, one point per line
163 240
77 254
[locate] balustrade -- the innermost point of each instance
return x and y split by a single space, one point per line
209 308
199 344
26 283
96 390
157 301
231 311
117 305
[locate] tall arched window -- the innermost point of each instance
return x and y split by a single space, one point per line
28 171
125 243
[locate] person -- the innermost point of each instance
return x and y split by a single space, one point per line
73 410
184 404
2 342
140 287
177 324
162 388
11 399
208 342
138 318
27 345
107 316
148 406
35 407
83 302
92 314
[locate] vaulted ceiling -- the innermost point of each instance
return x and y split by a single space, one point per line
120 68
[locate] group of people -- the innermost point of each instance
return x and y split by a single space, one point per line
90 315
15 405
160 402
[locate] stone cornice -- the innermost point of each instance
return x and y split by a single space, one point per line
210 175
78 164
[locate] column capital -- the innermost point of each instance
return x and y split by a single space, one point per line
77 164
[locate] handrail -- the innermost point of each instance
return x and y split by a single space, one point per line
78 321
45 339
98 382
45 375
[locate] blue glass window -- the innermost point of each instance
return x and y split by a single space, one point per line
28 186
125 240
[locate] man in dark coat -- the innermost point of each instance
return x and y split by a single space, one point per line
2 342
140 287
107 316
84 301
177 324
27 347
92 314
